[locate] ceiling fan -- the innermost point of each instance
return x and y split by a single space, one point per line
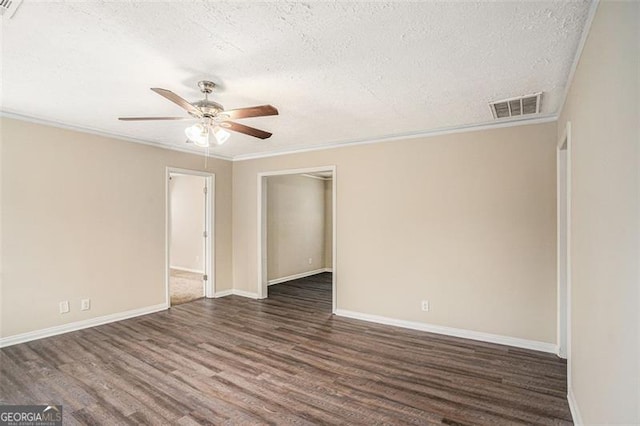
212 117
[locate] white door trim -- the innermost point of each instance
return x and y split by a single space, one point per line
262 227
209 246
563 156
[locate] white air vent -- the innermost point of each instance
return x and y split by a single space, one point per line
8 8
514 107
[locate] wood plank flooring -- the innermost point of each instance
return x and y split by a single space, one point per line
283 360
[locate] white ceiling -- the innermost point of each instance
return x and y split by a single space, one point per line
338 72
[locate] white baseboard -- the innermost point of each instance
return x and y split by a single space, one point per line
456 332
236 292
298 276
79 325
244 293
573 406
179 268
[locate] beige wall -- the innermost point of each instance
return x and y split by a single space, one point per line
464 220
603 107
295 225
187 222
83 216
2 302
328 224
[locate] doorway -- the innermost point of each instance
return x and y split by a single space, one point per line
189 247
297 234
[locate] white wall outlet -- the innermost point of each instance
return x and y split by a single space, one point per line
310 261
425 305
85 304
64 307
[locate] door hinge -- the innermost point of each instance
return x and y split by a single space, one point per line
205 277
204 189
204 234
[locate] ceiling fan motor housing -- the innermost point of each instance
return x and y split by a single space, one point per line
210 109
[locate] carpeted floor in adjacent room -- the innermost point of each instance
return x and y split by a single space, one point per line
185 286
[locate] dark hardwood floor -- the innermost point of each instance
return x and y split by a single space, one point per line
283 360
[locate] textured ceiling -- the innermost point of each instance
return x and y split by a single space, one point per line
338 72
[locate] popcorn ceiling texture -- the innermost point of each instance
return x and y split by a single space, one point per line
337 72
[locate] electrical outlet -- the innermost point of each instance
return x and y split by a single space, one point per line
64 307
425 305
310 261
85 304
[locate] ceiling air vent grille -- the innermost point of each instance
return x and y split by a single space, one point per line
514 107
8 8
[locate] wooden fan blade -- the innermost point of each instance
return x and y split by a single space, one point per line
241 128
168 94
256 111
153 118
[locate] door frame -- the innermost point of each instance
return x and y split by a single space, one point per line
563 207
262 228
209 222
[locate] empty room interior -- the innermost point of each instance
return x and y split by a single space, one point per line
320 212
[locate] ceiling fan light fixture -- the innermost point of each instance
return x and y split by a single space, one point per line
220 135
198 134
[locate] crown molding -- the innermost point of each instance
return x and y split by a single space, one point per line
92 131
546 118
499 124
576 59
